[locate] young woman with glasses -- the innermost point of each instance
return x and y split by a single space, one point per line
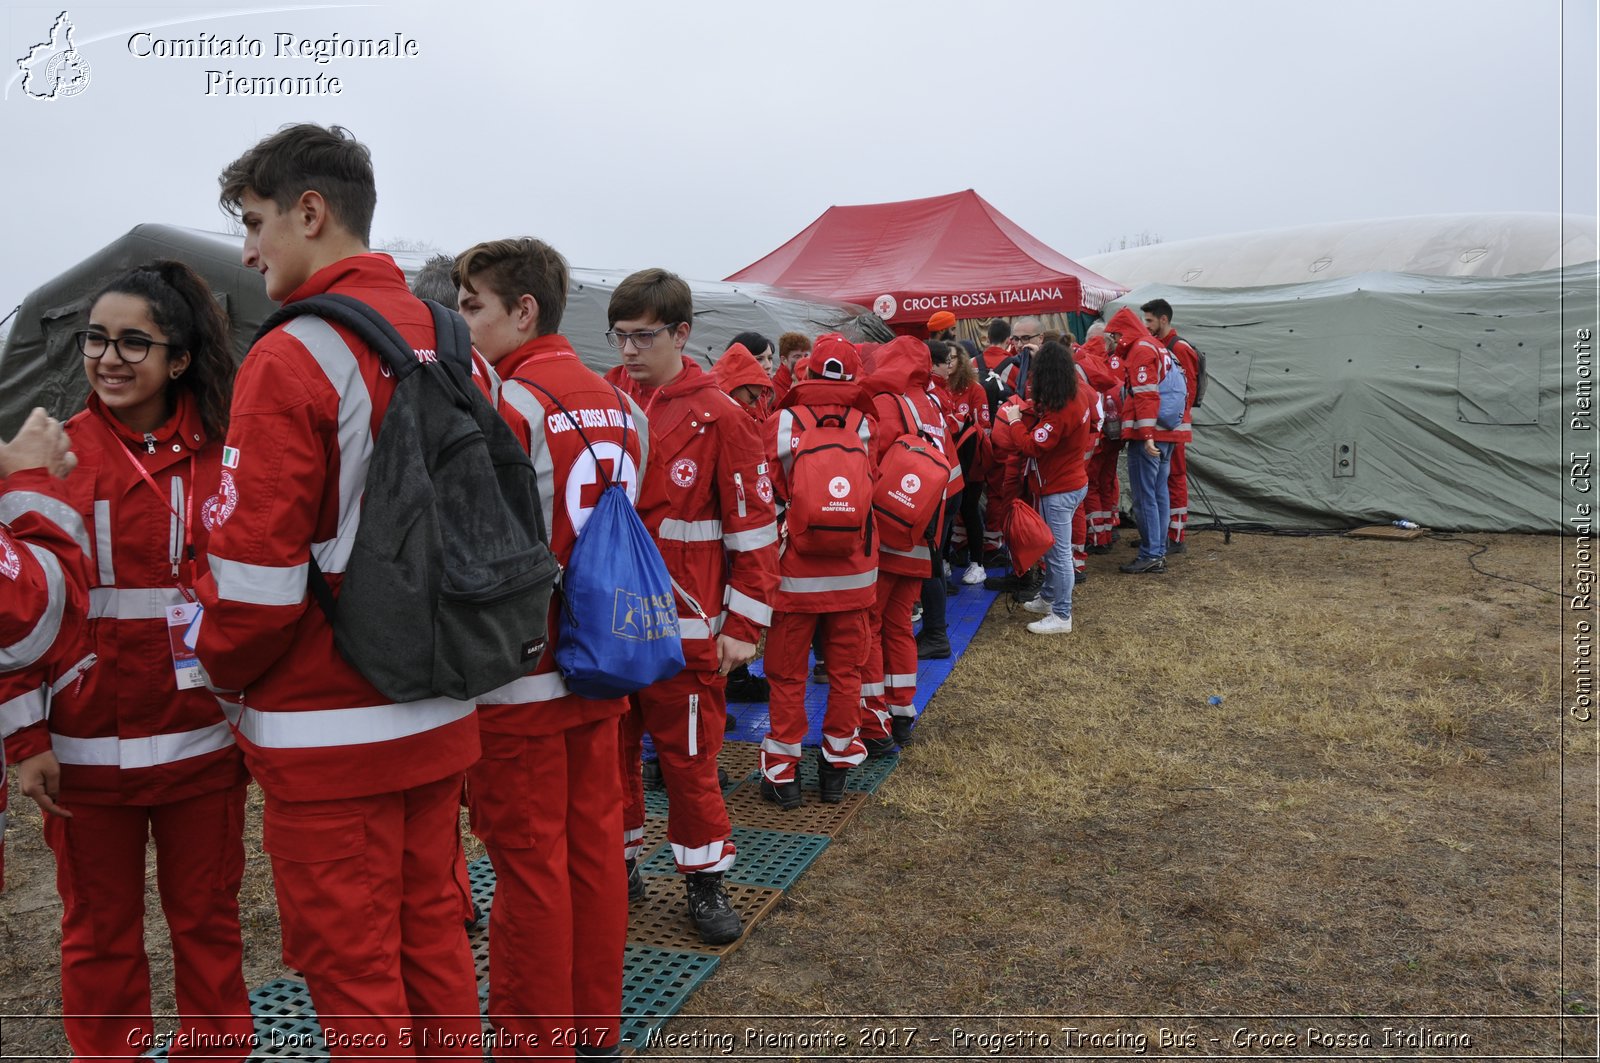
143 745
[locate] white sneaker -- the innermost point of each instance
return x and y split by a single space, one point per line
1051 625
974 575
1037 605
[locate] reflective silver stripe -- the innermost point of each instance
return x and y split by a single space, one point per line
701 859
1146 388
175 534
148 752
339 365
903 710
786 433
754 539
900 680
839 745
782 749
820 584
695 628
102 542
690 531
33 645
519 398
641 425
14 504
918 552
71 675
1146 422
21 711
530 688
694 725
359 726
132 603
259 584
870 690
749 608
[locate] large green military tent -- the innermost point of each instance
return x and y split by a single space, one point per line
41 367
1383 395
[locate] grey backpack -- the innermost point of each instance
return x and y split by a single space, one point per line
447 591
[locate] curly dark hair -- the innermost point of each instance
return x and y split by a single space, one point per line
1053 380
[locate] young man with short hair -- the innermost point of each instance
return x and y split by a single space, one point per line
546 798
1144 367
1158 319
361 794
709 506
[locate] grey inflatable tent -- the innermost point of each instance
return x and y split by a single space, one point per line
1377 396
40 366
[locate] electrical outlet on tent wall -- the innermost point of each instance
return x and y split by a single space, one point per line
1344 459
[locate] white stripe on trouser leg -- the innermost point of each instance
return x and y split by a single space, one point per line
711 857
837 751
903 710
883 718
694 725
872 690
778 759
632 843
900 679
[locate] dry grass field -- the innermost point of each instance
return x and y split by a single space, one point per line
1369 826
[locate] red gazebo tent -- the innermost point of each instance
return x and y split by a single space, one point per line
911 259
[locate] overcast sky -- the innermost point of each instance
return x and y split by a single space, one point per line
701 135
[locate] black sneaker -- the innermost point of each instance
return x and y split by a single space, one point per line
1097 549
879 747
1080 577
995 559
635 883
1153 566
1000 583
1177 546
710 909
786 795
830 780
743 686
819 674
652 775
722 777
933 649
1028 587
901 726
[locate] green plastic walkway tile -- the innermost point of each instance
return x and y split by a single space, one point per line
480 876
766 857
655 984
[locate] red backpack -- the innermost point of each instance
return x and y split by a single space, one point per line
911 483
830 484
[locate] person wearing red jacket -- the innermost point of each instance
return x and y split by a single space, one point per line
967 423
361 793
708 502
1052 430
889 687
1158 319
793 349
1144 365
43 600
1103 370
144 749
547 798
831 594
743 380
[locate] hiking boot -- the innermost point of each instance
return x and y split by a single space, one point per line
710 909
879 747
996 559
1037 605
652 775
974 575
933 649
1080 577
1051 625
819 674
635 883
830 780
1028 587
742 686
1177 546
1154 566
901 726
722 777
1007 582
786 795
1099 549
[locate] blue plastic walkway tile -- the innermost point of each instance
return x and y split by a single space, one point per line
766 857
655 984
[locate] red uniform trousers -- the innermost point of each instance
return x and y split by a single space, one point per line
891 665
1104 497
685 716
550 817
1178 493
996 501
843 646
100 861
372 918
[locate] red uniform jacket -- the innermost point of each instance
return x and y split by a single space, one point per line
782 381
708 501
569 487
43 598
810 583
1144 366
306 408
1057 441
127 734
901 371
738 367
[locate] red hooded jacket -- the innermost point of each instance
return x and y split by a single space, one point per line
902 371
738 367
1144 366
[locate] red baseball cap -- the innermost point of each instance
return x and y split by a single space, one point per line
833 358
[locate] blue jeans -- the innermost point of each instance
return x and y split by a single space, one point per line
1060 576
1152 506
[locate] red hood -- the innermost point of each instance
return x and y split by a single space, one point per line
737 367
900 367
1129 327
830 393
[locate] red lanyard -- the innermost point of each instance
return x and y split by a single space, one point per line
184 556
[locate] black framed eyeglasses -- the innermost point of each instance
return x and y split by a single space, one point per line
642 341
131 349
1028 338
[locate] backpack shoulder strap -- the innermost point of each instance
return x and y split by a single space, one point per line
375 330
452 338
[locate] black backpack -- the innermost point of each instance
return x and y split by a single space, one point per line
447 592
1200 376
